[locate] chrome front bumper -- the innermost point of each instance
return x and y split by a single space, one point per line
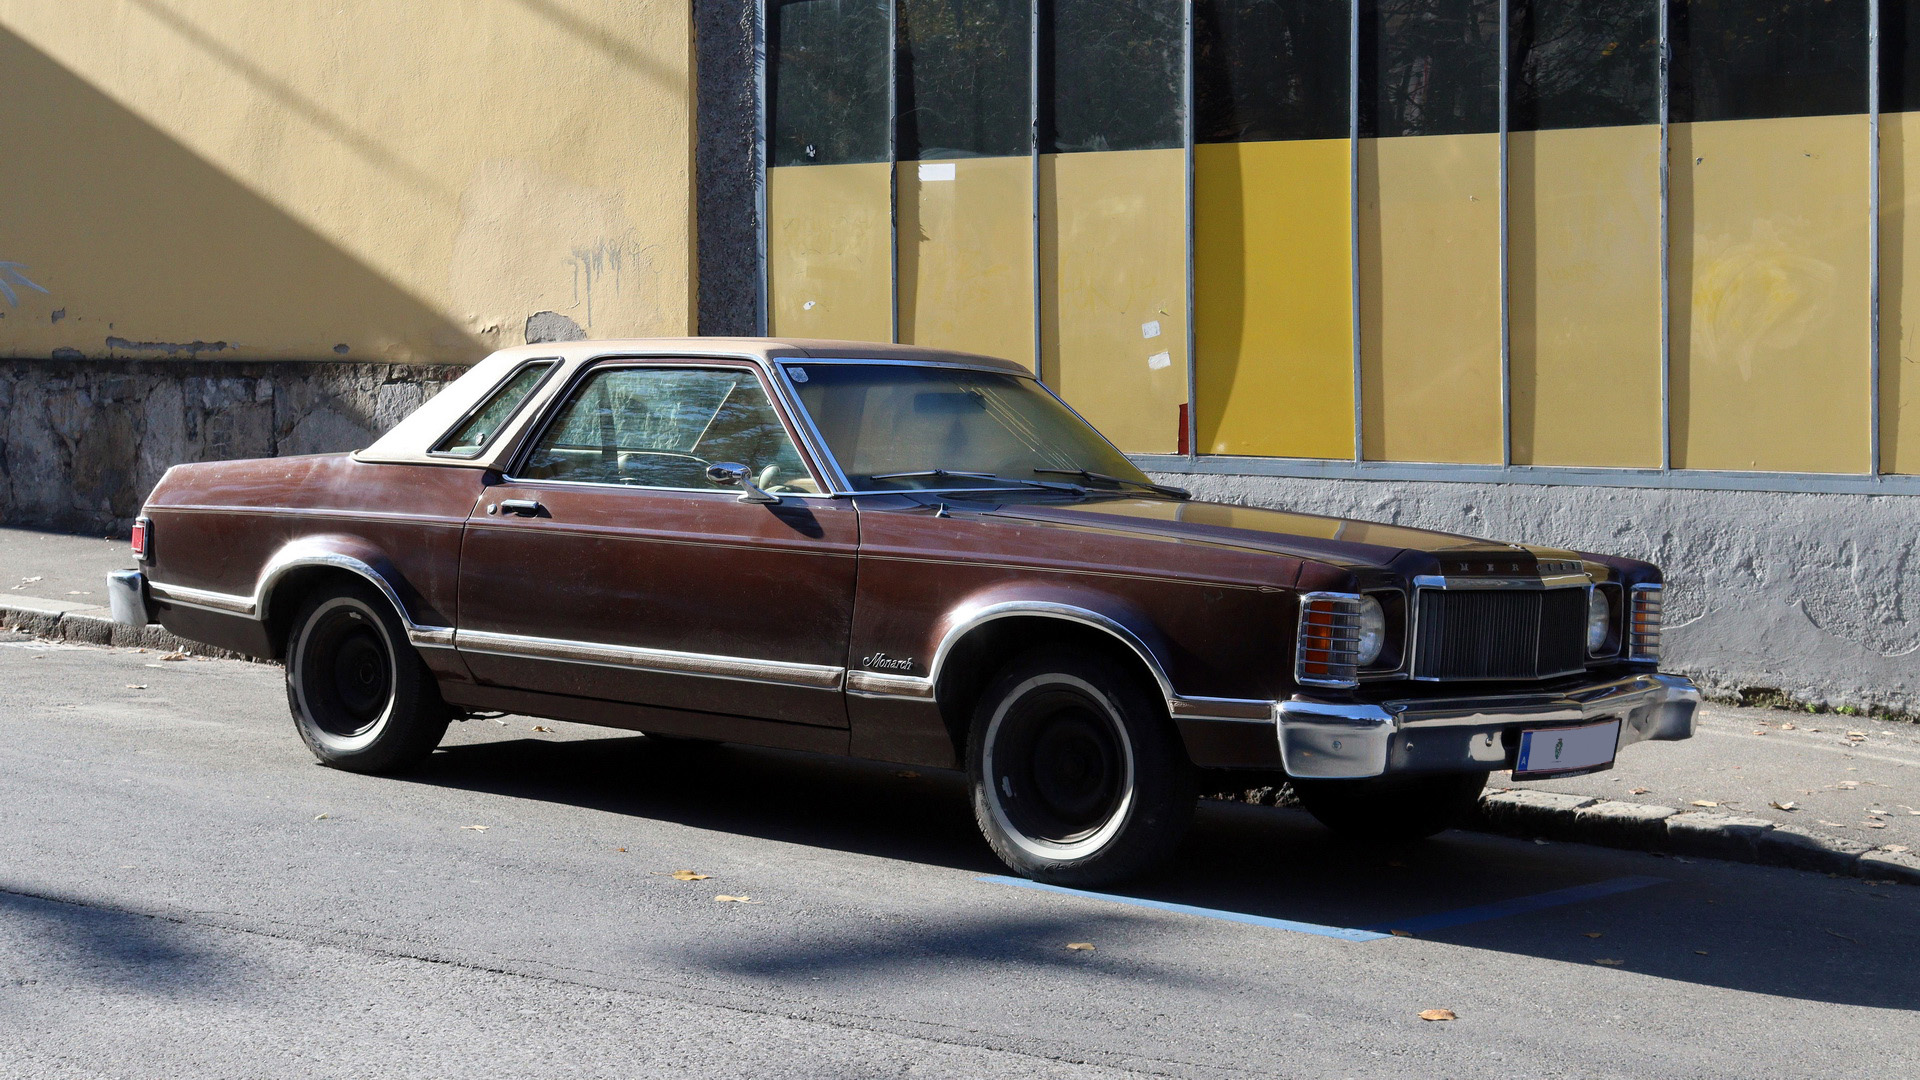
1334 740
127 597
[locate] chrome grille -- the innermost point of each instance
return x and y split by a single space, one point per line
1500 633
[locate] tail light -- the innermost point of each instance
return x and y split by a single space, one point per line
1643 622
1328 649
142 538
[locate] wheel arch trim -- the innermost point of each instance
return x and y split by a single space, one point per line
351 555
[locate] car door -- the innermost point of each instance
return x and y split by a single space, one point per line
607 565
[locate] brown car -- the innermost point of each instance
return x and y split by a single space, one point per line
903 554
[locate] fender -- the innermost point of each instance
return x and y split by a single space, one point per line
354 555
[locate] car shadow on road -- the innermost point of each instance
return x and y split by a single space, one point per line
119 950
1758 929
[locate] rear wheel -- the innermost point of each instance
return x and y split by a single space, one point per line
1392 808
362 699
1077 775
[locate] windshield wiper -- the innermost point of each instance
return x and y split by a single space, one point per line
1089 474
940 474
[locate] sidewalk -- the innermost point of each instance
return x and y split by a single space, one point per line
1821 792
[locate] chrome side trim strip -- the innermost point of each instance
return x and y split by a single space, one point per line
1235 710
875 684
663 661
204 599
300 553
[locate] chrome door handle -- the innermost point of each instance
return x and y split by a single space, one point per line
522 507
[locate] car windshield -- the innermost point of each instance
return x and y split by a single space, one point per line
910 427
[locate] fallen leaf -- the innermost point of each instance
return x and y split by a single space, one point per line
321 817
1705 802
1699 952
1437 1014
1592 934
1847 785
1401 933
725 899
136 686
1856 734
537 727
477 828
28 580
1640 791
681 875
175 656
1788 726
1609 961
1080 946
1788 805
1876 824
619 849
1759 731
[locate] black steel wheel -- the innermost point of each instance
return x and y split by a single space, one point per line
1078 777
361 697
1392 809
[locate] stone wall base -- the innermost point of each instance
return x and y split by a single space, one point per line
83 441
1773 598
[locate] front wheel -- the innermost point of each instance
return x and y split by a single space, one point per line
1392 808
362 700
1077 775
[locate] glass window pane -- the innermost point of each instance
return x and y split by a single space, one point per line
1584 63
963 67
1899 55
662 427
827 66
1114 71
1270 69
1749 59
1429 67
475 432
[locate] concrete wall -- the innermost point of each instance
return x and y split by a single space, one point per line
1814 596
362 179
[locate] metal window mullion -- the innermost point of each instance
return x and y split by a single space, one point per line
1033 177
1186 140
1873 238
762 316
1506 326
893 170
1664 82
1353 228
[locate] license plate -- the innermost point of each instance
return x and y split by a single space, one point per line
1559 751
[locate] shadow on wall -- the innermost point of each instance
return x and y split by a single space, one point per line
107 206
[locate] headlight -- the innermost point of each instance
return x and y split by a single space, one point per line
1599 621
1372 625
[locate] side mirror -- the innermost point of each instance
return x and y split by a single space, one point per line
732 474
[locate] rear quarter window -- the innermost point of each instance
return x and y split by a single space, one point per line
481 426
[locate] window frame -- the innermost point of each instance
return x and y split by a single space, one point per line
558 402
553 364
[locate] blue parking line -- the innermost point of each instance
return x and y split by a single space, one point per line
1341 932
1519 905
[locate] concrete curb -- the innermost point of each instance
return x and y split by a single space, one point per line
92 629
1664 829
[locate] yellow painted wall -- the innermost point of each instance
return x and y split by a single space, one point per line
407 182
966 255
1583 220
1430 298
1770 302
1900 292
1273 298
828 264
1113 260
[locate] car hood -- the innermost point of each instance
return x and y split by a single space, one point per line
1342 542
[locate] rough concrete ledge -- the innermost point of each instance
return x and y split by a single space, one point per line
1666 829
95 629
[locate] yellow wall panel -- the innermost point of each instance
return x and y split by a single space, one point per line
1430 297
404 182
1113 273
1273 298
1900 293
966 255
1770 301
1584 296
828 265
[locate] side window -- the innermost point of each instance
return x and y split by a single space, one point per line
477 430
661 427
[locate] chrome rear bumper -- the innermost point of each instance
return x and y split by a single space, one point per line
1336 740
127 597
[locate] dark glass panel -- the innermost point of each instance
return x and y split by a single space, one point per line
1429 67
963 78
1270 69
1748 59
1113 73
1900 55
827 66
1583 63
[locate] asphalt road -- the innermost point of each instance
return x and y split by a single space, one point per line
183 893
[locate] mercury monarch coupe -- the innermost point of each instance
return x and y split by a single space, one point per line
901 554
